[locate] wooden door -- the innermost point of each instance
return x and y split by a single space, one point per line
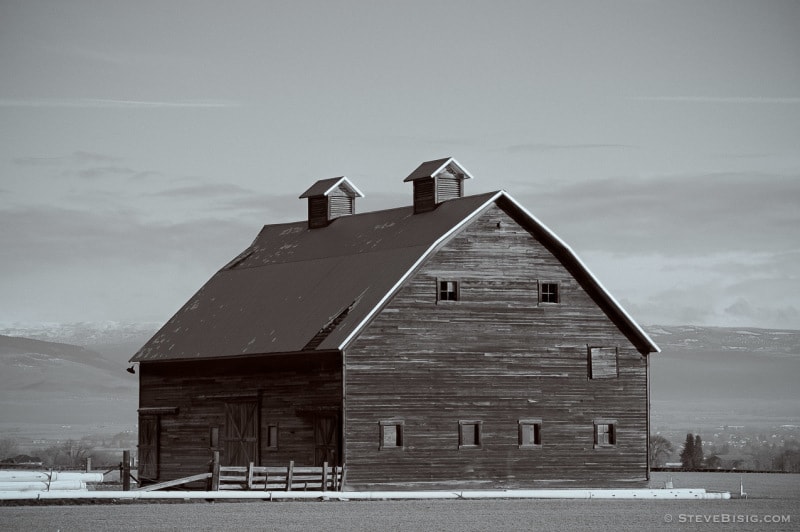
148 447
240 436
326 439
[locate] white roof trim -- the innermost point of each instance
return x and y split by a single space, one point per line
461 224
389 294
467 175
586 269
349 184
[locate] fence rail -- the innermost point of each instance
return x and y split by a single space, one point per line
263 478
290 478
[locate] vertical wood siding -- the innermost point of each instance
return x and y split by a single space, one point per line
495 356
290 392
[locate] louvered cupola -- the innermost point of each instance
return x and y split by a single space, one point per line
437 181
329 199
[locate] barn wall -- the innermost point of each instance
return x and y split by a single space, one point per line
497 355
289 392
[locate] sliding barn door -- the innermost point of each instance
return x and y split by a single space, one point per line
326 439
240 436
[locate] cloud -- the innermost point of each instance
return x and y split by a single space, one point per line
212 190
744 311
86 165
675 215
105 171
723 99
543 147
75 158
100 103
66 265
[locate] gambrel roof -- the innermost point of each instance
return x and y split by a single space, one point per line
297 289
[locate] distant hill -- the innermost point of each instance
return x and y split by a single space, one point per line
56 385
712 376
72 377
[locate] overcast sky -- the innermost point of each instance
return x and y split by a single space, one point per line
144 144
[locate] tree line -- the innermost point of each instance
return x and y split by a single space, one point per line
761 457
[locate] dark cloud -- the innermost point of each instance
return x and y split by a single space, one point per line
675 215
101 263
742 309
45 238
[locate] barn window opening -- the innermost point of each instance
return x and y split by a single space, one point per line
448 290
391 435
469 434
548 293
271 433
605 433
530 433
603 363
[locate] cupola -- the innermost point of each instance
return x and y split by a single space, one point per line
329 199
437 181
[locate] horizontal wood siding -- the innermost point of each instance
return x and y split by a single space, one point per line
496 356
289 391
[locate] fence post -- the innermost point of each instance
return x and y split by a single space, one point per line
215 471
250 475
289 475
335 478
325 476
88 464
126 470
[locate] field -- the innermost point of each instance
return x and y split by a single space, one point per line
771 497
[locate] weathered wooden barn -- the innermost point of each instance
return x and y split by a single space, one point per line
454 343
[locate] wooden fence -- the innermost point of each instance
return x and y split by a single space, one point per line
290 478
263 478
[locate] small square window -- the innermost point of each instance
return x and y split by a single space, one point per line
530 433
548 293
272 437
605 433
603 363
448 290
469 434
391 434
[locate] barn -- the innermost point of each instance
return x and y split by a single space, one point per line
456 342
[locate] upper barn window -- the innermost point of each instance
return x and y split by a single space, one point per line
549 293
448 291
603 363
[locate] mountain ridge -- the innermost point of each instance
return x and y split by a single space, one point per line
703 376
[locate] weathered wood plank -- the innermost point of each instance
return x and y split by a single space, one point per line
499 356
176 482
199 391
